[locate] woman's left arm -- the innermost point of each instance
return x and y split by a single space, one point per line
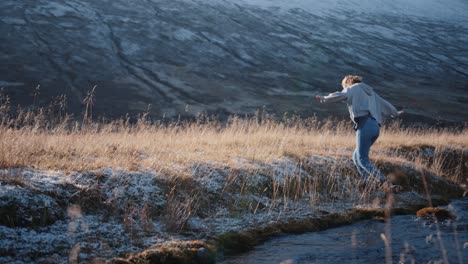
389 110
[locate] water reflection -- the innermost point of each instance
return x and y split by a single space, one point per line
412 241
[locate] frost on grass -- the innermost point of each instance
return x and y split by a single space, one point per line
111 213
20 206
40 222
127 189
211 179
91 236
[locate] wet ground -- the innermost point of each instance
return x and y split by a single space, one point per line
412 241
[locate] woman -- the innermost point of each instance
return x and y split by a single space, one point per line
367 110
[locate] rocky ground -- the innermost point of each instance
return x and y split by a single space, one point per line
149 216
234 57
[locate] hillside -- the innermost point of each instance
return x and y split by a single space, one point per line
224 57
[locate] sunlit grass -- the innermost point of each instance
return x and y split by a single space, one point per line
154 146
47 138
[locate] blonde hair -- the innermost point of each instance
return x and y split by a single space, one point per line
349 80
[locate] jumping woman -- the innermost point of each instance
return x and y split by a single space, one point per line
367 110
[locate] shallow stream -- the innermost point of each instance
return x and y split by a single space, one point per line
412 241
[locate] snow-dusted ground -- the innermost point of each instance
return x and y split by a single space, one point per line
55 217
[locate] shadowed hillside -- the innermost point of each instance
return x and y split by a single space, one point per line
234 56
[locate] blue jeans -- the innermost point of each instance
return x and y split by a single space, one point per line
366 135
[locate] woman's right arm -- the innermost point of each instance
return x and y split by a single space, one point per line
333 97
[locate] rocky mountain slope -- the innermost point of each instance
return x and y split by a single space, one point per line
223 56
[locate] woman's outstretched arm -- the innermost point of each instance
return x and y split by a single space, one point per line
333 97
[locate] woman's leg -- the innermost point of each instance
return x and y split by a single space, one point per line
365 137
356 161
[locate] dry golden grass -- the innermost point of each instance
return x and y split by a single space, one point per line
47 138
146 146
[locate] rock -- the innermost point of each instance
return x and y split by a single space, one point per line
176 252
420 180
408 202
119 261
435 213
23 207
